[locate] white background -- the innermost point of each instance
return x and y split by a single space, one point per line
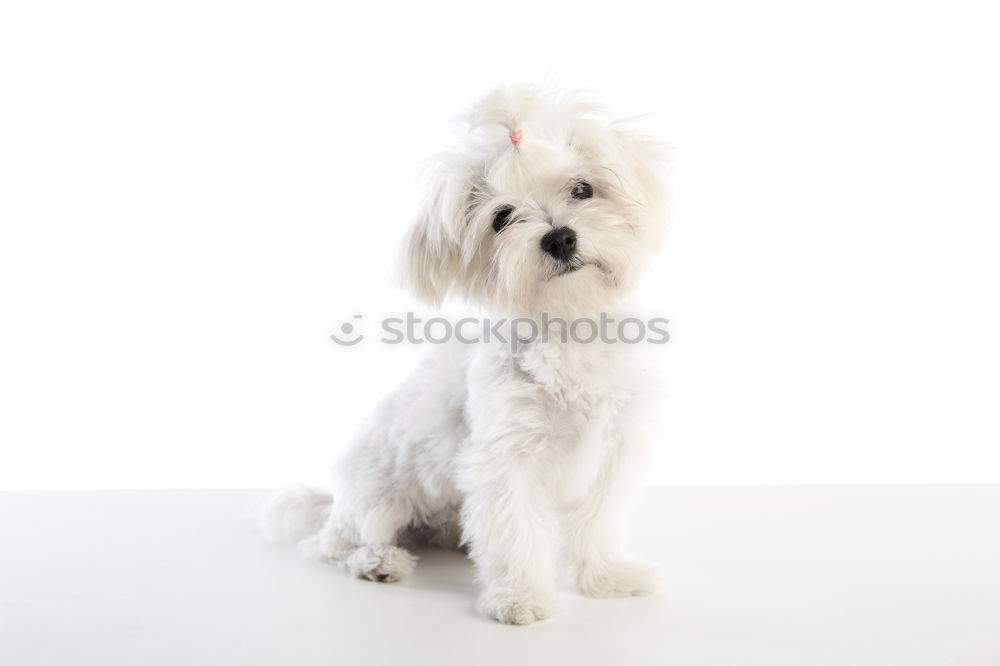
194 195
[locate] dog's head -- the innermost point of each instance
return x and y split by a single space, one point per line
545 207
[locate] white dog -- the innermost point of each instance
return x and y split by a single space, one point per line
524 454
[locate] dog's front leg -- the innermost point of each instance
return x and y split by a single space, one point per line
507 521
594 534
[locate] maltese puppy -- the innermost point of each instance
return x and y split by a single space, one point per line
525 453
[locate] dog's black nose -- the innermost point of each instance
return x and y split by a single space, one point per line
560 243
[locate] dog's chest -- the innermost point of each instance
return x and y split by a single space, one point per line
588 390
580 376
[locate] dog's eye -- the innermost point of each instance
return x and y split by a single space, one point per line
582 190
502 218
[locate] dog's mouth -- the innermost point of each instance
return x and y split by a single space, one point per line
575 264
568 268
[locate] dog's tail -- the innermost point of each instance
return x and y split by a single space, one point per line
294 513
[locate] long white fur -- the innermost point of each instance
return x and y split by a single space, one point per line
524 454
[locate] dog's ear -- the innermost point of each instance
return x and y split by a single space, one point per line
427 264
644 163
431 257
648 160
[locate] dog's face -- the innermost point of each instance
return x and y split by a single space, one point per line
545 208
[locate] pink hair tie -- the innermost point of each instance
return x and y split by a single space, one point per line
516 136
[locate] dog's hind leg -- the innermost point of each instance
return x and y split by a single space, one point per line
368 549
379 558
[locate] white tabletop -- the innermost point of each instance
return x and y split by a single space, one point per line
804 576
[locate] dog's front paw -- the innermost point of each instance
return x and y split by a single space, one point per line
618 579
509 606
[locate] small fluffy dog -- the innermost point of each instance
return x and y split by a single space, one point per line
524 454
